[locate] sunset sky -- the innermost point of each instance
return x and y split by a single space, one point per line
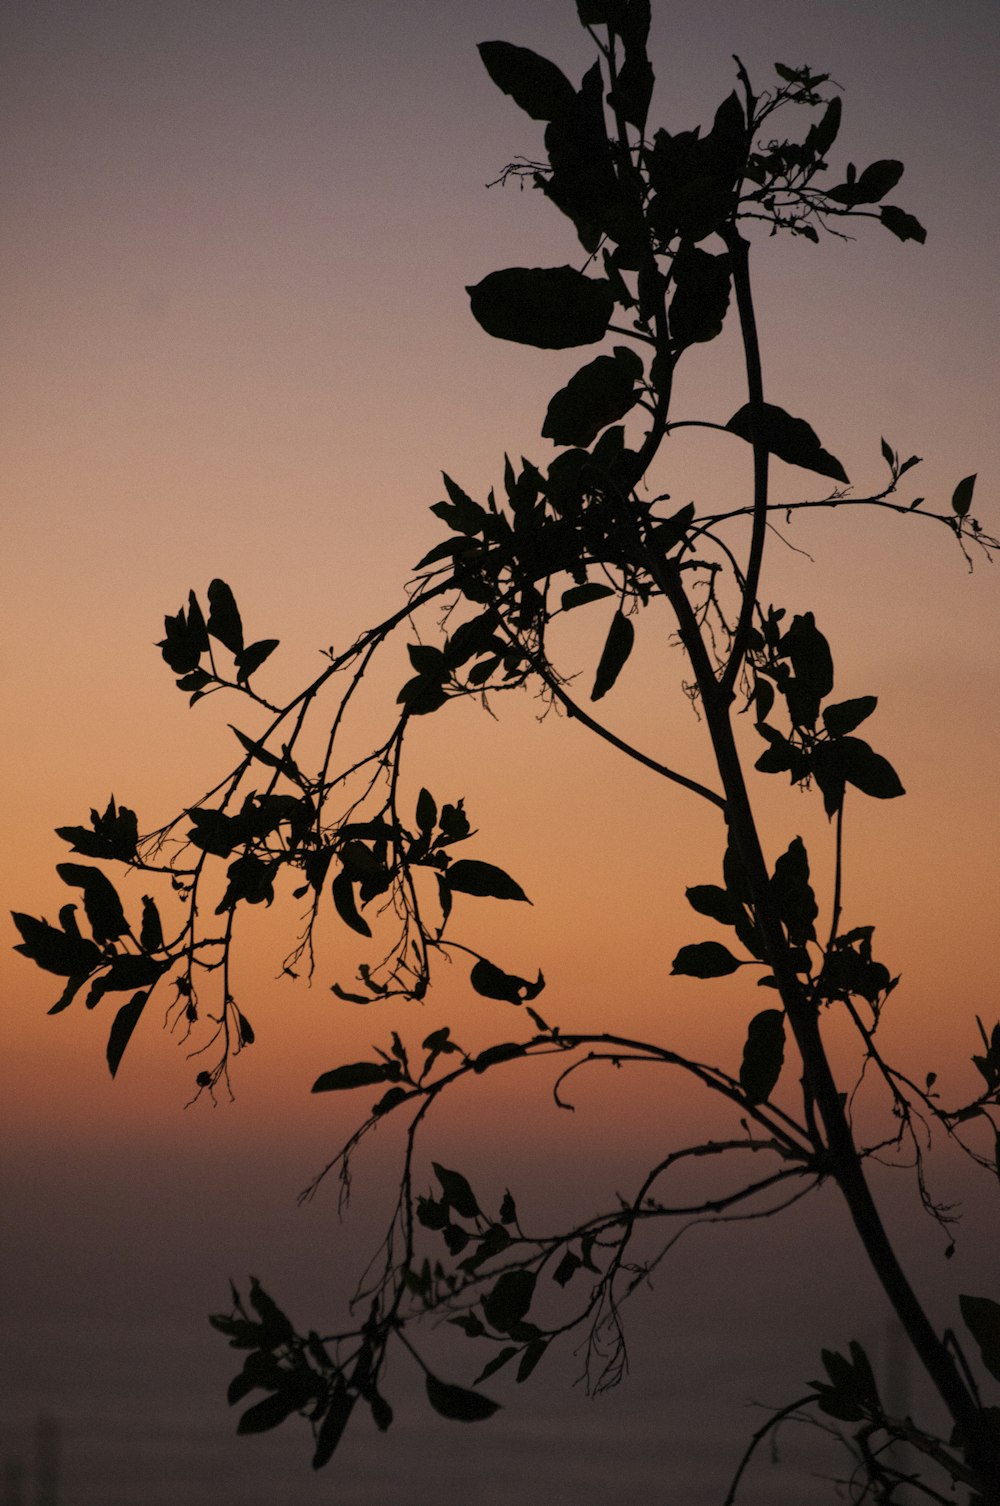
235 243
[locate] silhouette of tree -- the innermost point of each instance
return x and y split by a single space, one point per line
663 220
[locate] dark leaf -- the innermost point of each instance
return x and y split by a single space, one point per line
342 890
812 663
114 835
270 1413
458 1404
530 1357
846 715
493 983
260 1370
62 952
982 1318
868 771
224 618
356 1075
566 1268
905 226
540 88
821 136
508 1210
718 904
331 1429
791 439
121 1031
503 1357
763 1055
509 1300
599 394
793 894
470 1325
874 183
100 900
127 971
388 1101
380 1409
250 659
151 929
961 498
186 639
469 876
506 1051
705 959
426 811
673 529
578 596
456 1192
549 307
701 295
617 647
250 879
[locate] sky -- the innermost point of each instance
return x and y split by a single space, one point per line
232 268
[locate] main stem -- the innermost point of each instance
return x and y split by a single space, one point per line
842 1160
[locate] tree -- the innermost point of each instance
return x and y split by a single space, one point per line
661 219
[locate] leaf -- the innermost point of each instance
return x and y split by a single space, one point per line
127 971
718 904
456 1191
530 1357
793 895
342 890
705 959
868 771
763 1055
261 754
549 307
905 226
874 183
388 1101
821 136
186 639
125 1022
509 1300
250 879
493 983
540 88
151 929
331 1429
508 1209
426 812
791 439
566 1268
701 295
982 1318
504 1052
114 835
269 1413
461 513
356 1075
224 618
65 953
498 1361
578 596
469 876
252 657
100 900
457 1403
617 647
846 715
961 497
597 395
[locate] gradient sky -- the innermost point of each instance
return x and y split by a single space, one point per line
234 247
